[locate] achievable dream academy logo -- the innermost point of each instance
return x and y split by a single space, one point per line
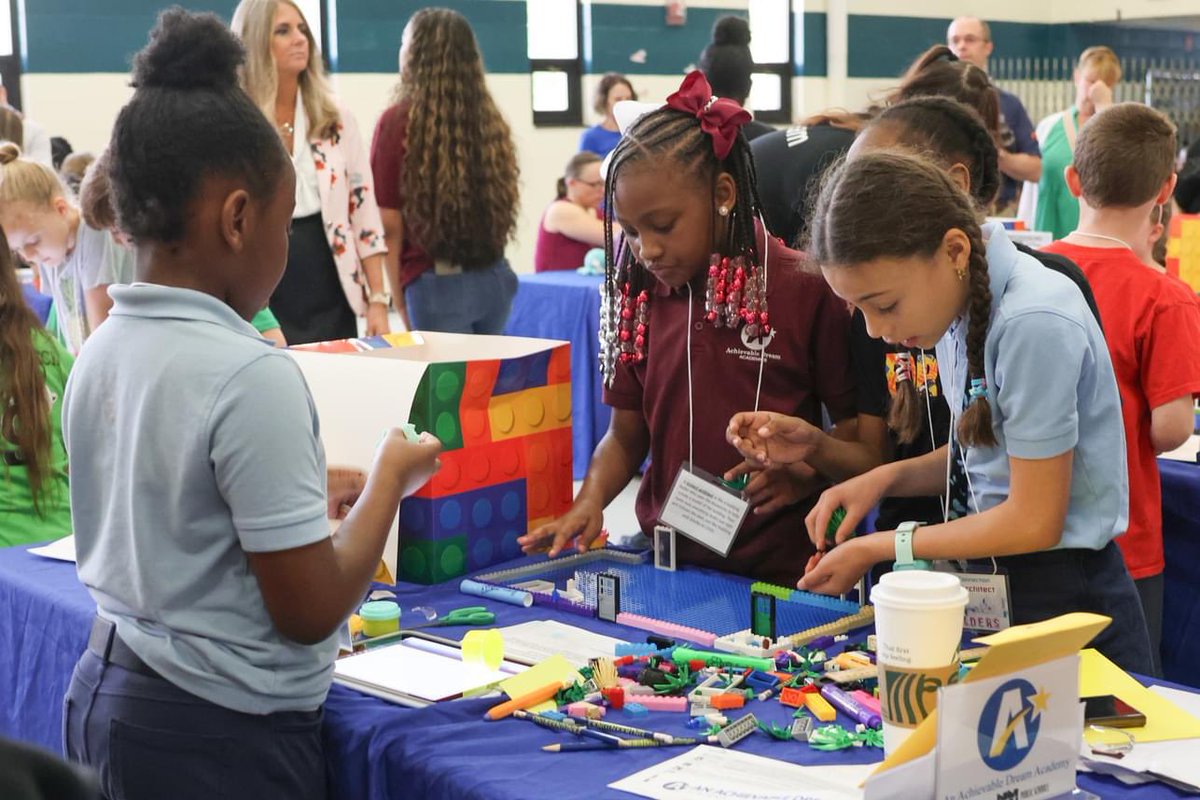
1009 724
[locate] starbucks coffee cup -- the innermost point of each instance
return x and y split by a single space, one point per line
918 629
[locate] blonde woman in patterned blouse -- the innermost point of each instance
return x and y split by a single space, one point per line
335 260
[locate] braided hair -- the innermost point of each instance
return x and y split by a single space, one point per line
668 134
865 211
949 132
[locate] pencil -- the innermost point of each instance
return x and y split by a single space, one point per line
553 724
567 747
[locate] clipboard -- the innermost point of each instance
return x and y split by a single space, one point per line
419 670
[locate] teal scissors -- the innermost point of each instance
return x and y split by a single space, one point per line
471 615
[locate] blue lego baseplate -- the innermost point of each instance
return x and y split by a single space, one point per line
698 598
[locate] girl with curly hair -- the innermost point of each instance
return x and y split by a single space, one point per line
446 181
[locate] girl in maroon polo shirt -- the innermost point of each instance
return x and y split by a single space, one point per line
704 313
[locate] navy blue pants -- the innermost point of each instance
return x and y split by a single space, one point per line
150 740
1055 582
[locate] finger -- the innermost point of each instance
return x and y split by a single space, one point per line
849 525
738 471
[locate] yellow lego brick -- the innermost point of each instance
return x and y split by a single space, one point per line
543 408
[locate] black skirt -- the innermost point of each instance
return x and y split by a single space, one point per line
309 301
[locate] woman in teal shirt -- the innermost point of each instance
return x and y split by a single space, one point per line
1052 206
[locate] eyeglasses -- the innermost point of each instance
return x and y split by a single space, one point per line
594 184
969 38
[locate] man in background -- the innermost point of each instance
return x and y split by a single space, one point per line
1020 160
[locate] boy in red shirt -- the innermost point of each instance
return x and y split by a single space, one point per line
1123 169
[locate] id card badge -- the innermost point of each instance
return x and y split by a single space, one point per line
989 601
704 509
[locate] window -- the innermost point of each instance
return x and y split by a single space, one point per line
10 50
771 46
555 66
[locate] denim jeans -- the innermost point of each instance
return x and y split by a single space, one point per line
473 301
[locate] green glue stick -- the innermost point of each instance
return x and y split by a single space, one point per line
683 655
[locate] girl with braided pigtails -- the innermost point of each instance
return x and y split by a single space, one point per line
704 314
1037 485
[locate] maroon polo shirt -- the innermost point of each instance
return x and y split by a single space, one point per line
388 149
807 365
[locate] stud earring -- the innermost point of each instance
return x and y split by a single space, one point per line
961 273
723 211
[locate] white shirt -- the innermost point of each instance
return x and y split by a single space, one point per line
308 198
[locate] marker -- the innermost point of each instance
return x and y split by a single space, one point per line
850 706
502 594
541 695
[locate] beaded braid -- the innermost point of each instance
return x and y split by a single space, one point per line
664 134
975 424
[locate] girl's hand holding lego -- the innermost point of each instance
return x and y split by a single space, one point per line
581 523
857 496
411 463
774 488
771 439
839 570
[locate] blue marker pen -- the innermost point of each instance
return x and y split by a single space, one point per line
848 705
503 594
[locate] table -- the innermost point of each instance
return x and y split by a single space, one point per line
1181 543
374 749
566 305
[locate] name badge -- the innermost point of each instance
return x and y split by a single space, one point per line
704 509
989 602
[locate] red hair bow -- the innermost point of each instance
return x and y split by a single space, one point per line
719 117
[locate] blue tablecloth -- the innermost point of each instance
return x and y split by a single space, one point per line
1181 543
375 749
40 303
566 305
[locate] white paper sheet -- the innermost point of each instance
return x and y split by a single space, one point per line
538 640
707 771
1174 761
424 670
60 550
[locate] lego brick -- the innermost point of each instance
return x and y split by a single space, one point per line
529 411
559 368
548 473
485 510
473 408
436 403
476 467
518 374
428 561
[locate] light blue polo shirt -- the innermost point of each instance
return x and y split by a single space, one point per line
194 441
1051 386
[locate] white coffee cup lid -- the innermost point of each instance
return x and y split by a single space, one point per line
919 589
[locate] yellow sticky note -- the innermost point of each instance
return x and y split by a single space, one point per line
1164 719
555 668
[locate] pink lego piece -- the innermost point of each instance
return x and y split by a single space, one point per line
585 710
660 703
664 628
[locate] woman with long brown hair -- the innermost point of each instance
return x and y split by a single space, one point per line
35 503
446 181
335 258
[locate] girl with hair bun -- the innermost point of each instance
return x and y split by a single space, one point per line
198 474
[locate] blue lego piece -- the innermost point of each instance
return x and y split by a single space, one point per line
517 374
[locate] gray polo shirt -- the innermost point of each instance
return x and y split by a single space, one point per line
193 442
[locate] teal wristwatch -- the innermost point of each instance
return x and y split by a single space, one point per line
904 554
